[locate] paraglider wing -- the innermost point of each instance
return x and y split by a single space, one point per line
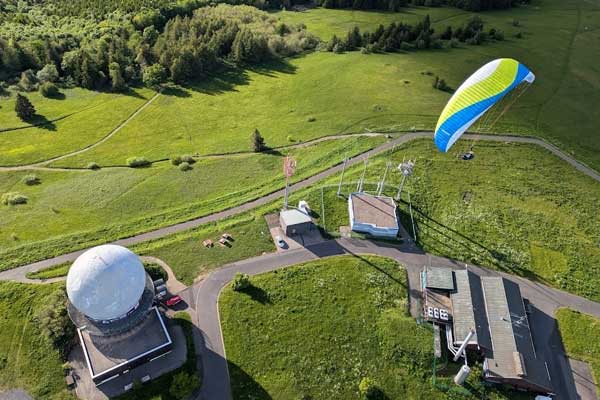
481 91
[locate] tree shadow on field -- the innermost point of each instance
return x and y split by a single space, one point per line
258 294
42 122
243 386
228 78
175 91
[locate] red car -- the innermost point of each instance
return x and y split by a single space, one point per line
173 301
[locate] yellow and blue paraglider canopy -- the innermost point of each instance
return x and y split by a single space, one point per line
480 92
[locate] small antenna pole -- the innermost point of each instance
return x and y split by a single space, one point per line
406 169
382 183
339 191
362 177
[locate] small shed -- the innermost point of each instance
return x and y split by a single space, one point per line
294 222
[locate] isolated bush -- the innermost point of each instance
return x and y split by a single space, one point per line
31 180
136 162
93 166
368 389
176 160
183 384
240 282
155 271
13 199
454 43
49 90
185 166
311 119
290 138
188 159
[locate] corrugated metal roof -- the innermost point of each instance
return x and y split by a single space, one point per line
439 278
462 307
510 334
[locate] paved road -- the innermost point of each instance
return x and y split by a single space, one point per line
19 273
205 296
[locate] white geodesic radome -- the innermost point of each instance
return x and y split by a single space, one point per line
106 282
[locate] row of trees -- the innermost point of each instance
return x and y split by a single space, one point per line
401 36
189 47
396 5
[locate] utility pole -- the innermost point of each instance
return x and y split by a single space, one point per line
406 169
339 191
382 183
289 167
362 177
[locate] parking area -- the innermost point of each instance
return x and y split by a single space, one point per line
296 241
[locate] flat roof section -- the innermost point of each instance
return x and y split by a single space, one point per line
439 278
379 211
294 217
104 353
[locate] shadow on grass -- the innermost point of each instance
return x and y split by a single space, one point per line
470 249
243 386
228 78
42 122
257 294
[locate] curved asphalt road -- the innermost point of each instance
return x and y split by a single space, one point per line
19 272
204 297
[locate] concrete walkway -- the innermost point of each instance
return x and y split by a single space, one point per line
19 272
216 384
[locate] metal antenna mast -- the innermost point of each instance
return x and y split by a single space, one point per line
382 183
406 169
289 167
339 191
362 177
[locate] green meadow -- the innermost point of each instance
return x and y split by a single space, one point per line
78 119
27 358
75 209
580 334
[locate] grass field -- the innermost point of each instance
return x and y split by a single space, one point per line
581 336
316 329
55 271
78 120
27 359
71 210
188 258
279 334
